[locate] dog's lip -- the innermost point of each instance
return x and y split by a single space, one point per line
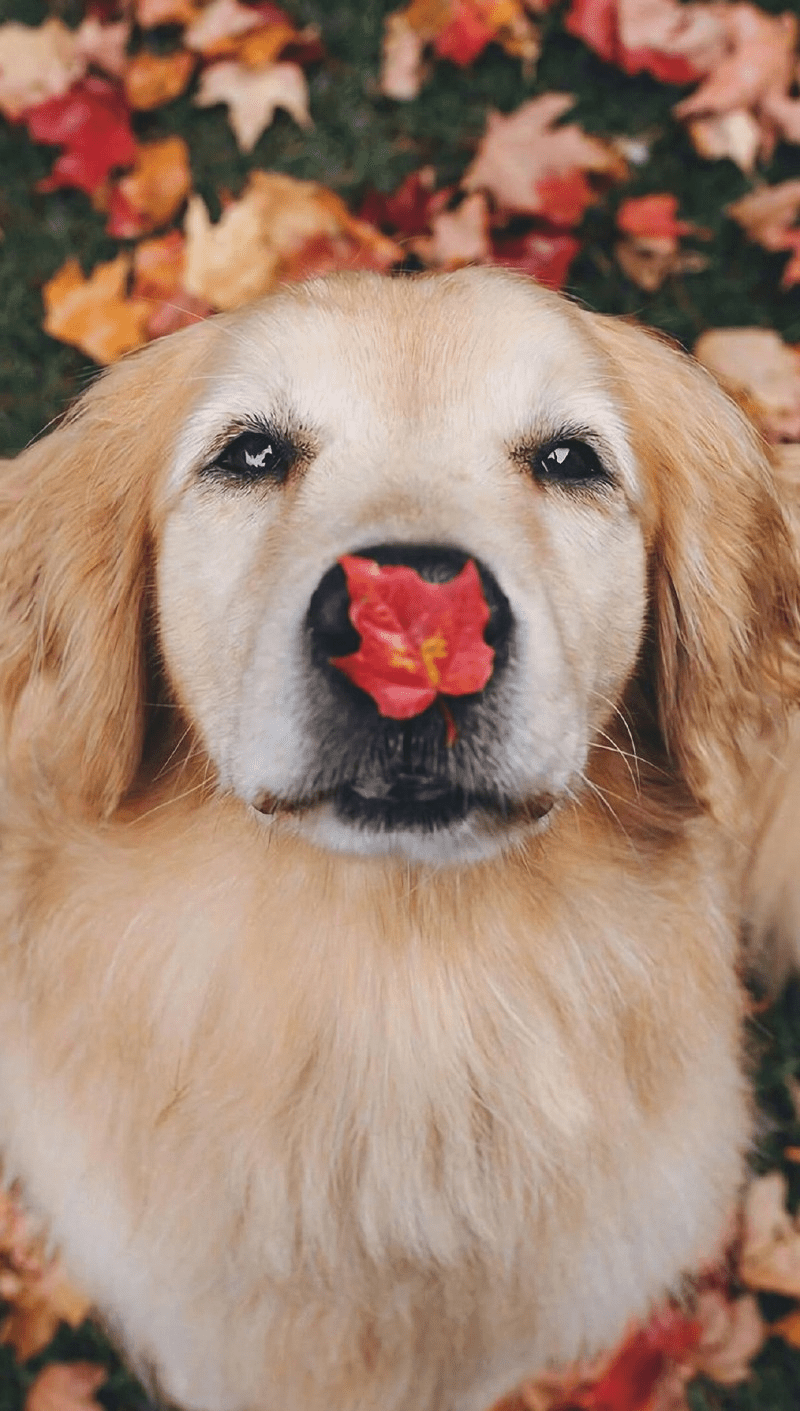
502 811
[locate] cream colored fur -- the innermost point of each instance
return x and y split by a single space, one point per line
328 1118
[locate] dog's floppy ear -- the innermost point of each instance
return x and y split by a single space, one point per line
725 576
75 521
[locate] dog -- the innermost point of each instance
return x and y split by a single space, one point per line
370 1002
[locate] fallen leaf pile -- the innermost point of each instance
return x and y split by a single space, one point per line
531 186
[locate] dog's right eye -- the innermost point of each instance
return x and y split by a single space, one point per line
254 456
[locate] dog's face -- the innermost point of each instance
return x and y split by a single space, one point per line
425 424
616 507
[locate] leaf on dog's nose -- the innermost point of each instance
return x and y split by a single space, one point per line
419 640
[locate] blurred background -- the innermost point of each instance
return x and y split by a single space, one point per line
161 160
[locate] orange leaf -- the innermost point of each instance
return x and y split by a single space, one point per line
150 195
154 79
94 314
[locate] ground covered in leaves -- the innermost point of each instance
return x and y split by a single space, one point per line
163 159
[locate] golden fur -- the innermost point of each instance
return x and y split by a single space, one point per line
327 1116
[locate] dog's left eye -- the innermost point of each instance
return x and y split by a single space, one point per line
569 463
255 455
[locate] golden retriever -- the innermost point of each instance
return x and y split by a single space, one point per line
362 1061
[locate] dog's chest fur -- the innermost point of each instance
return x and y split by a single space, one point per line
377 1090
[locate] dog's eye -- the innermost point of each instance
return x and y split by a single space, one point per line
569 463
254 455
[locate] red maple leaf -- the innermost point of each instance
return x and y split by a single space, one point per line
465 36
565 197
653 216
408 210
596 23
92 123
419 640
631 1380
544 255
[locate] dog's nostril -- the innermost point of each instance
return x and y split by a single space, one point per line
332 632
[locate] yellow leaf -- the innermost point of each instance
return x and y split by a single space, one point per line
94 314
154 79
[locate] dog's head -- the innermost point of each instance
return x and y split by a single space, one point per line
612 509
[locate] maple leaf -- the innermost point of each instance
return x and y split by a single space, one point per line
92 124
152 13
410 208
762 372
732 1332
654 215
251 246
150 195
545 255
770 1257
466 33
218 23
66 1386
736 135
252 96
158 267
95 314
768 215
419 640
518 152
36 64
103 45
651 251
757 66
401 59
151 80
676 43
457 237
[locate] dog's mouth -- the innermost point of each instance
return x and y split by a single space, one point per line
416 803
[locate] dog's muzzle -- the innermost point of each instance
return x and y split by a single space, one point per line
423 770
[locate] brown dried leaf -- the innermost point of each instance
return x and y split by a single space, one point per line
36 64
401 59
733 1331
103 45
757 67
768 215
66 1386
150 80
458 237
219 22
735 135
151 194
251 247
521 150
252 96
694 32
95 314
650 260
770 1257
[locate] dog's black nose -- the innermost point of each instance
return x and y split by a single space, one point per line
332 633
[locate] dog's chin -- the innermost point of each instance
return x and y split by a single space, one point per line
420 823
